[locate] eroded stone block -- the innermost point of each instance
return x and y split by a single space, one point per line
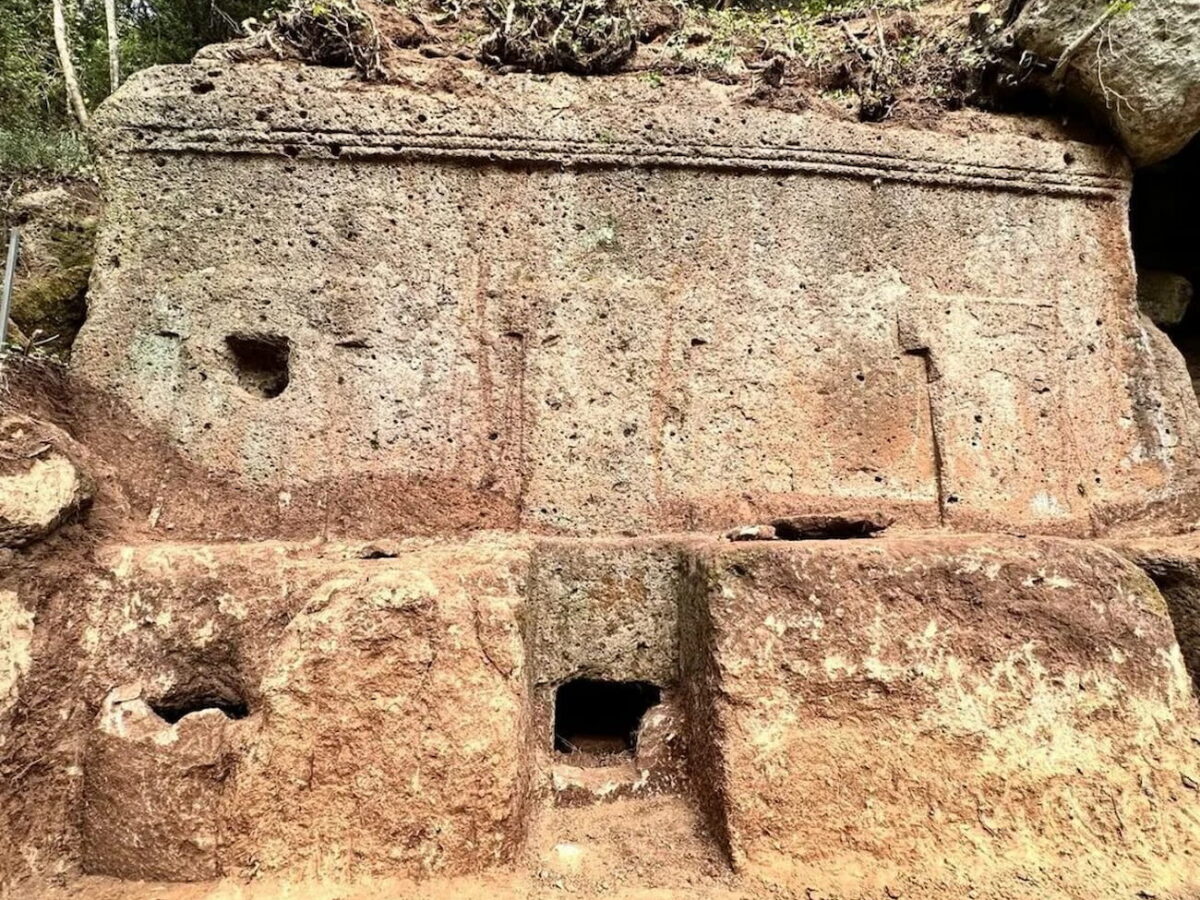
925 706
152 789
605 609
394 726
628 328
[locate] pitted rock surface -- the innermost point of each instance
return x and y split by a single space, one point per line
422 414
589 306
1137 68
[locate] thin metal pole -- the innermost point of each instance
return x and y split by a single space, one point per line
10 270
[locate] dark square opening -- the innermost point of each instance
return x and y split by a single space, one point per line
601 717
261 362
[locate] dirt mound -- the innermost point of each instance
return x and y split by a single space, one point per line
873 61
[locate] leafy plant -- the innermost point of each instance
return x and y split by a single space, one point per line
332 33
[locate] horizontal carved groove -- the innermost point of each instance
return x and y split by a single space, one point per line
617 154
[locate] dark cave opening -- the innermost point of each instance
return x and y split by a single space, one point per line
1165 230
601 717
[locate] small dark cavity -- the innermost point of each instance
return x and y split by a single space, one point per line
830 526
379 551
601 718
261 362
174 706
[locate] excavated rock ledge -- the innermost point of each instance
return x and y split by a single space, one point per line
609 323
940 700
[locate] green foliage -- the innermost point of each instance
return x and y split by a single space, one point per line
787 31
718 35
32 96
53 152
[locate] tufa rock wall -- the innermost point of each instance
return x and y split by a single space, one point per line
587 307
936 714
597 322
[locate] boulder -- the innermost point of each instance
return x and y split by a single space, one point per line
40 485
1135 66
1163 296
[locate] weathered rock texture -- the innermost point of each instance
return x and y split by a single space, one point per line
578 306
394 725
1135 65
947 699
151 791
385 708
614 324
1174 564
916 712
41 486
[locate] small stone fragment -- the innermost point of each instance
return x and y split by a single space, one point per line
1163 296
751 533
380 550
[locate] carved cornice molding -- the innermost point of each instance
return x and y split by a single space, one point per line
507 149
306 113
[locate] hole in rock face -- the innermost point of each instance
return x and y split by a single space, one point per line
831 526
174 706
261 362
1166 232
601 717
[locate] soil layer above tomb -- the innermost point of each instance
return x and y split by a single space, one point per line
585 307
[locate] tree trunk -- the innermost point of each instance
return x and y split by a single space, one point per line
114 52
68 67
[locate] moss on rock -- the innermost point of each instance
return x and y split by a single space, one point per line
58 230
